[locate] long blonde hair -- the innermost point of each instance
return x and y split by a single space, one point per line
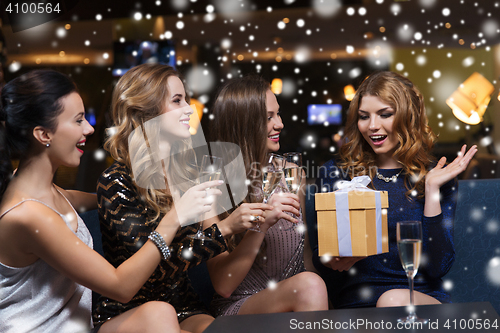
416 138
139 96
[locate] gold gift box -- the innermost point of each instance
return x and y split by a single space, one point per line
362 216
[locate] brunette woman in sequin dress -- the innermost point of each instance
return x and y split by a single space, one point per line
137 192
388 138
47 263
263 272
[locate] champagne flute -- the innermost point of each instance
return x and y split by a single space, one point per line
210 169
271 178
409 237
293 175
293 171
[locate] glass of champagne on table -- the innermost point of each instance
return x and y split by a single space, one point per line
271 178
210 169
409 237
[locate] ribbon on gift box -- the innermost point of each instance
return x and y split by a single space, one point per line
342 212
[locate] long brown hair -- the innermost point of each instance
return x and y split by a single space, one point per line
139 96
416 138
240 117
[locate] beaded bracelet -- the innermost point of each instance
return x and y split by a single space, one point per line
158 240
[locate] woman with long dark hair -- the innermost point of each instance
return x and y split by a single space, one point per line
262 272
47 264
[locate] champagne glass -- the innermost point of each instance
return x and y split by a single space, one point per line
275 162
409 237
293 174
210 169
293 171
271 178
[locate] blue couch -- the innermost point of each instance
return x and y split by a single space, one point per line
477 241
477 244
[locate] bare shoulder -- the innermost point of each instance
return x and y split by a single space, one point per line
27 213
24 228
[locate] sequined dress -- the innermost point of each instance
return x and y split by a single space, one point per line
369 278
125 226
284 257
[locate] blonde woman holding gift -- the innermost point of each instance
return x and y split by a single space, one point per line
389 140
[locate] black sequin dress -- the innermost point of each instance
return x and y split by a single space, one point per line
125 225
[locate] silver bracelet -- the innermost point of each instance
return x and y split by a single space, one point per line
158 240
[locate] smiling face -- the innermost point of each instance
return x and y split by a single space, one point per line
375 123
176 112
71 132
274 123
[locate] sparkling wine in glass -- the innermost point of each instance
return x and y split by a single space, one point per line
293 174
409 237
293 171
271 178
270 182
210 169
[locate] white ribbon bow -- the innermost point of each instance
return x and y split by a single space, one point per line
356 183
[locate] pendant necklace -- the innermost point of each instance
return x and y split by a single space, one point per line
393 178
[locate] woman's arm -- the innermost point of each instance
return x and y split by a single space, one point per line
42 233
439 209
229 269
126 223
438 248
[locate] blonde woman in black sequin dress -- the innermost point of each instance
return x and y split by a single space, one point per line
134 195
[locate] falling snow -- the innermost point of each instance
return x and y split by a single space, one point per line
237 46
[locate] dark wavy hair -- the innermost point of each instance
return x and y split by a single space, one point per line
416 139
30 100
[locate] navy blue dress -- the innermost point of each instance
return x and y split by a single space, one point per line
369 278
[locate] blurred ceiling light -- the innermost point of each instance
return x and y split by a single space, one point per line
368 35
470 100
349 92
195 118
276 86
498 97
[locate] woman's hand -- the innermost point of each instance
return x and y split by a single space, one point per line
340 263
282 202
196 201
243 218
442 174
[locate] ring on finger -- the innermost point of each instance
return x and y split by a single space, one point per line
254 218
